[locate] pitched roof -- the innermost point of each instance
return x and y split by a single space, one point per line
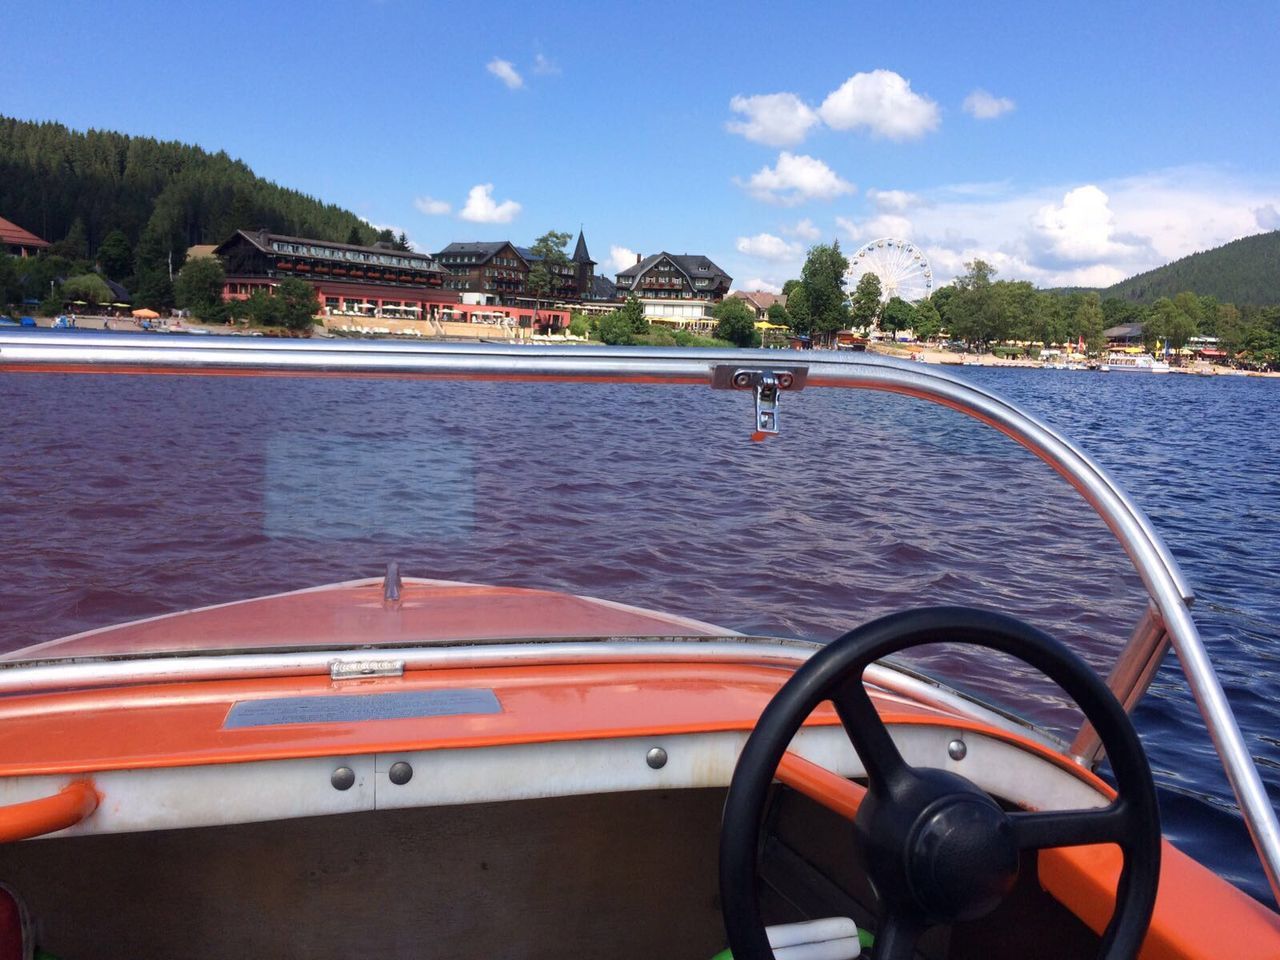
694 266
485 249
198 250
761 298
261 238
117 291
602 288
14 236
580 254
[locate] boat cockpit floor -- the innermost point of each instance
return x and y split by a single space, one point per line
628 876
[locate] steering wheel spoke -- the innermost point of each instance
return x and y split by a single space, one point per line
868 734
1070 828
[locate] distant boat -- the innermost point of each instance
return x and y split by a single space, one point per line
1134 363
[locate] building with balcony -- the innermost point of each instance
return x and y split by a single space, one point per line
348 279
356 285
677 290
498 272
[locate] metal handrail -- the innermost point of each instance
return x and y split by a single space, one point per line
1168 590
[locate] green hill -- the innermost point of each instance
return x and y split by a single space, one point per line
58 183
1245 271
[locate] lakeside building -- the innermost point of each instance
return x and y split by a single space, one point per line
677 290
19 242
498 271
369 282
1124 335
760 301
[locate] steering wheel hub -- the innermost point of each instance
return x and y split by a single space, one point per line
962 858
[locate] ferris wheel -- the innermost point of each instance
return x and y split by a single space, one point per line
902 267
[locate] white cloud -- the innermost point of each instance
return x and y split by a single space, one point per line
777 119
881 225
766 246
894 201
505 71
480 207
804 230
1081 228
432 208
881 102
757 283
620 258
1268 217
984 106
396 230
544 66
1091 234
794 180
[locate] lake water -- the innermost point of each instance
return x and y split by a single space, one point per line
127 497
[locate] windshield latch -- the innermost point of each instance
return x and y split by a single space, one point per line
767 404
767 385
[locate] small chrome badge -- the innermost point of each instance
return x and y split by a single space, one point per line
359 669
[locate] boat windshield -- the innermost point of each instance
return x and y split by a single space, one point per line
131 497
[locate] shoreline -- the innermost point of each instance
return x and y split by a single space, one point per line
468 332
946 358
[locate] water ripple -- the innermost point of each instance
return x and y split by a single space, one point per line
127 497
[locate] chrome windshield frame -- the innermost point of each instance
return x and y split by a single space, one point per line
1169 593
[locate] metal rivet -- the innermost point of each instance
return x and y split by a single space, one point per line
343 778
656 758
957 749
400 773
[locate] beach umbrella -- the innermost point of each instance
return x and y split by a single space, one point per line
145 314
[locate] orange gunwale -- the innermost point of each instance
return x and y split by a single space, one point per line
182 724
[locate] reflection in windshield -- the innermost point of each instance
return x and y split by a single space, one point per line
392 487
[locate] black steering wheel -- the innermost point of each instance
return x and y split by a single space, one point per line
937 849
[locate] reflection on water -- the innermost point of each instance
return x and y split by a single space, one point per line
127 497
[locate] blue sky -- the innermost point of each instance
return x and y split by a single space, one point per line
1065 144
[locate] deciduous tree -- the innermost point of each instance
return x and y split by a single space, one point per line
798 316
615 329
633 312
544 275
928 322
198 288
736 323
89 287
298 303
866 302
822 279
1089 322
897 315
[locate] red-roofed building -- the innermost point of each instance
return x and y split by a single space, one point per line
19 242
760 301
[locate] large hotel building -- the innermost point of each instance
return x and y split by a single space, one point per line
469 282
359 284
677 289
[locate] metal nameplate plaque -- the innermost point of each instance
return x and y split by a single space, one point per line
357 708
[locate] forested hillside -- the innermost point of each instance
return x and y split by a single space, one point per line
66 185
1245 271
